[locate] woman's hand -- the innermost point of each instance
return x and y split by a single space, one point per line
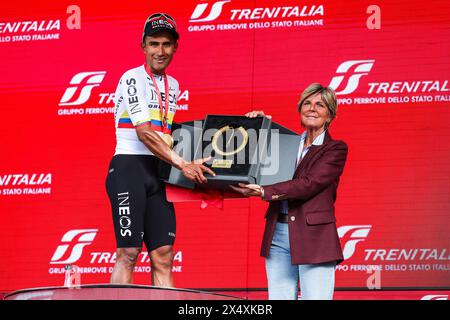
258 113
248 190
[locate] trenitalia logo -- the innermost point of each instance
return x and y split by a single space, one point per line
214 13
352 71
29 26
82 85
25 179
72 244
356 233
254 14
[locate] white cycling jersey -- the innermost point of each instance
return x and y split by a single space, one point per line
136 102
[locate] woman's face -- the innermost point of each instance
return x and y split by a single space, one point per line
314 113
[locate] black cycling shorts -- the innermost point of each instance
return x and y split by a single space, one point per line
140 210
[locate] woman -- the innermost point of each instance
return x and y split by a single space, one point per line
300 239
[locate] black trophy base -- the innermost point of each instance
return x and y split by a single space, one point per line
223 182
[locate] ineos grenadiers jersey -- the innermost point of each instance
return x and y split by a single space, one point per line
136 102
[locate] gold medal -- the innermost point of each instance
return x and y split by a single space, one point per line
168 139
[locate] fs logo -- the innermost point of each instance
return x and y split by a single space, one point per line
75 240
214 13
354 234
83 83
353 70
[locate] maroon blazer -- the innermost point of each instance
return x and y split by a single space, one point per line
311 194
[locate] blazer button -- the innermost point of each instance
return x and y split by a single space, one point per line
292 218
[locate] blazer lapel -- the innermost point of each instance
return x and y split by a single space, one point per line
313 150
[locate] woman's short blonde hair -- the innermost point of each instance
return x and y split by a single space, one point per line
326 93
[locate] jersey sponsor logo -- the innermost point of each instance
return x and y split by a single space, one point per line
352 235
133 100
82 85
72 244
353 71
124 214
214 13
172 97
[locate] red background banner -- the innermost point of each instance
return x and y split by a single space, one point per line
393 87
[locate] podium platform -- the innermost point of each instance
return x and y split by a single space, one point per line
113 292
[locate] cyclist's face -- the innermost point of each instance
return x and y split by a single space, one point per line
159 50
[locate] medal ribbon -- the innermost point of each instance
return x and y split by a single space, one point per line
164 114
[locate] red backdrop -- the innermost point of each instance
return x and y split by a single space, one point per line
234 56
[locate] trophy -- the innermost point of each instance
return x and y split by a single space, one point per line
242 150
236 145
